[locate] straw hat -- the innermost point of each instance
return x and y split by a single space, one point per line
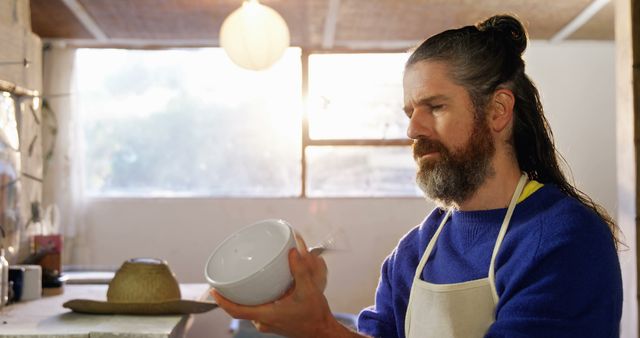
142 286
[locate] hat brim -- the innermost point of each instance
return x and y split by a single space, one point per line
174 307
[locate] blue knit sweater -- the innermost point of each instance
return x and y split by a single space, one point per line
557 271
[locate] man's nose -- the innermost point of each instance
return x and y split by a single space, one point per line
420 126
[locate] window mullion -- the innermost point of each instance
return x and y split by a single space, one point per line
305 120
359 142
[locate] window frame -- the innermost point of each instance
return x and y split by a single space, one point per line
307 141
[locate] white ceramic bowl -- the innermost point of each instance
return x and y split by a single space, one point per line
251 266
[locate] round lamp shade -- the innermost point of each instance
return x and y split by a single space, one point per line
254 36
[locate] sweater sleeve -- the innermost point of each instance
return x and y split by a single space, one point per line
571 286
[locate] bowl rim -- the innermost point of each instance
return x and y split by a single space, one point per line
269 263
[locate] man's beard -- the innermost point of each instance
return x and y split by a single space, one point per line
455 175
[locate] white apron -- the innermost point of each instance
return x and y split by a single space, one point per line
460 310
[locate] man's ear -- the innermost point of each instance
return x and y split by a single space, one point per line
501 115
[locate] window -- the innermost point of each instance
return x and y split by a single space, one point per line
356 96
357 171
187 122
356 143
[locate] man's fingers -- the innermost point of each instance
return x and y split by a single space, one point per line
236 310
261 327
299 268
302 246
231 308
296 265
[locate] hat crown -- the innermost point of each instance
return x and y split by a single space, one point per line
145 280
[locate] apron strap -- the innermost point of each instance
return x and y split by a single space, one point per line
432 243
423 261
501 234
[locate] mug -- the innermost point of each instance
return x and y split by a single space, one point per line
27 281
16 280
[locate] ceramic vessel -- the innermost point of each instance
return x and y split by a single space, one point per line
251 266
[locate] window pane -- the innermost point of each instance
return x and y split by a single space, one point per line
361 172
188 123
356 96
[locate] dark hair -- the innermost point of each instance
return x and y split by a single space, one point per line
488 56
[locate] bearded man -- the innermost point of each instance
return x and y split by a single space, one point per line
513 250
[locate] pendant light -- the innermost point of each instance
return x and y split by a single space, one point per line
254 36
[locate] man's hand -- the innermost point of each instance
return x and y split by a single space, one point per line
303 311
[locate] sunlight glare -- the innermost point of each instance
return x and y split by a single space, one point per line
355 95
159 79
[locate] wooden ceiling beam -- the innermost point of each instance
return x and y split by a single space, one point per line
87 21
579 20
330 24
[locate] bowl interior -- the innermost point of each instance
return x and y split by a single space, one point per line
248 251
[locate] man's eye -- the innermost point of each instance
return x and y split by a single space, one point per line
437 107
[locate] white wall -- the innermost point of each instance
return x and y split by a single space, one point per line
185 231
577 85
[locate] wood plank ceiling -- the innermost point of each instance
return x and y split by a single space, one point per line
314 24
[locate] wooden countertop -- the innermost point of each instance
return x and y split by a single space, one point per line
46 318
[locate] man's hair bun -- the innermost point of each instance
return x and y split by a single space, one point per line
509 28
